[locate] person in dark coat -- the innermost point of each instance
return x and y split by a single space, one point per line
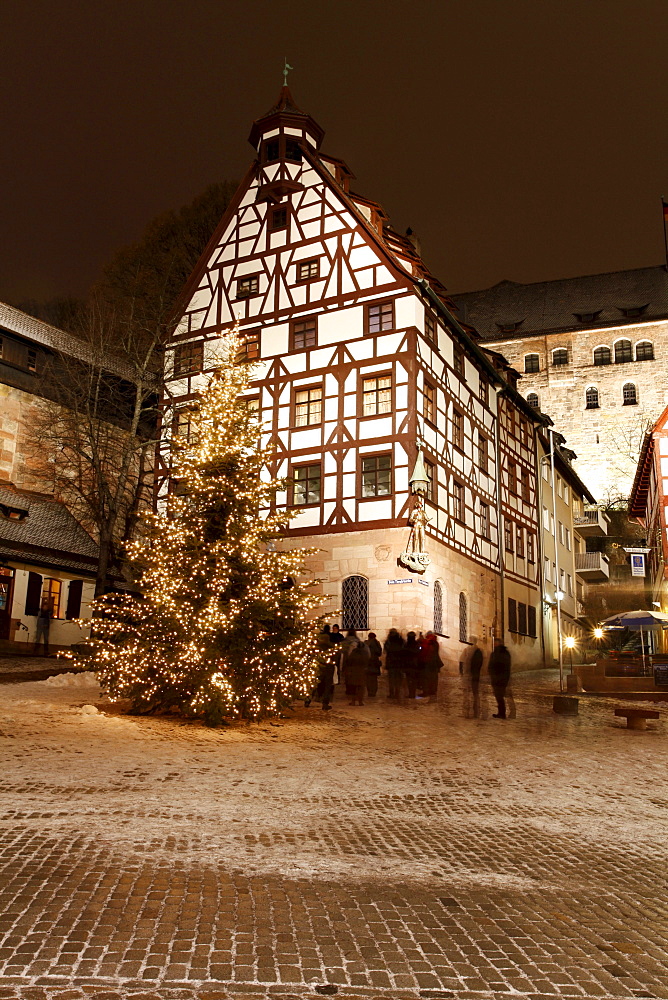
411 664
393 647
499 676
373 670
431 663
335 635
43 625
324 688
347 645
357 664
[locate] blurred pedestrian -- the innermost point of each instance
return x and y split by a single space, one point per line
43 625
335 635
347 645
411 664
356 665
324 688
373 669
393 647
430 658
471 667
499 676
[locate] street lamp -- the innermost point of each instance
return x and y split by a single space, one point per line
569 643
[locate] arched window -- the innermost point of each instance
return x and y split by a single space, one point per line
645 351
560 356
630 394
602 356
531 363
591 398
623 351
463 618
532 400
355 602
438 607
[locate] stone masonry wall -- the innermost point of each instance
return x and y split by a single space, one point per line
607 440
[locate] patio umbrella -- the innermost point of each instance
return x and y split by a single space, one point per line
637 621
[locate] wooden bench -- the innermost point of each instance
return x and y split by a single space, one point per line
636 718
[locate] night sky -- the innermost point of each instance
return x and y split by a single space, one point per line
522 139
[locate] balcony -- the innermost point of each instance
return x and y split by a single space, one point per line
592 566
592 521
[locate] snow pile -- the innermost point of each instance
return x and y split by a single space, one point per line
89 710
85 679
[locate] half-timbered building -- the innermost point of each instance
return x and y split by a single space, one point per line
366 384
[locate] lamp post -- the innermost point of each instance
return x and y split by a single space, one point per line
569 643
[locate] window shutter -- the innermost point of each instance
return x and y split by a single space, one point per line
512 615
74 599
34 594
522 618
531 614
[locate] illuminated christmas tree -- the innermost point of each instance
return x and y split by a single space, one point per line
223 628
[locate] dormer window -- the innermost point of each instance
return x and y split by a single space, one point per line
271 150
512 327
13 513
634 311
588 317
293 151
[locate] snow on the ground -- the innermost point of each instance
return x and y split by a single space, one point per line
258 797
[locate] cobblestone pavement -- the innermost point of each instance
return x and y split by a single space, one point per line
378 852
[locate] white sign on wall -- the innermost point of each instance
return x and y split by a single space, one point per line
637 565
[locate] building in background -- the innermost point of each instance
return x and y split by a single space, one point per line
648 506
593 354
368 388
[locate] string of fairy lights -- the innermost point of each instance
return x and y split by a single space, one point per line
216 633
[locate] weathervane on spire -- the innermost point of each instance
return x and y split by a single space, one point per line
286 69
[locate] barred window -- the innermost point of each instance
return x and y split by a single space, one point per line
188 358
645 351
457 501
304 333
532 400
355 603
531 363
438 607
591 398
377 395
463 618
512 614
306 486
630 394
380 316
308 406
623 352
308 269
376 476
602 356
248 286
429 402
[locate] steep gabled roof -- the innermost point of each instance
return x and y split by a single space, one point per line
47 534
554 306
638 498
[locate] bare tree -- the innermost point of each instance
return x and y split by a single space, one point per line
95 432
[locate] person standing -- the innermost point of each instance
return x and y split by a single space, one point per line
324 688
411 664
431 666
347 645
43 625
357 664
336 640
394 645
499 676
373 669
470 670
